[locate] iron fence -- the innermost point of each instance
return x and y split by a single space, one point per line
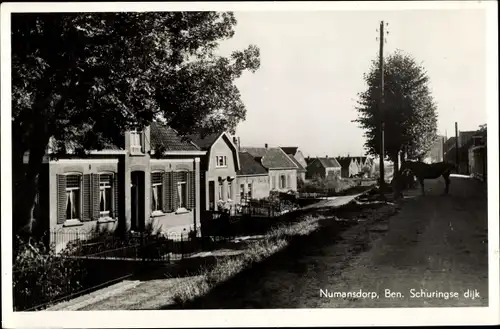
79 262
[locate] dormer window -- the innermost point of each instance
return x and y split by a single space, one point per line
136 141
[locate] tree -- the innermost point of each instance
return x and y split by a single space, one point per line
87 77
409 111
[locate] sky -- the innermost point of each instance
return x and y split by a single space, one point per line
312 64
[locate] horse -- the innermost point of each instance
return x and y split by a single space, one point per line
425 171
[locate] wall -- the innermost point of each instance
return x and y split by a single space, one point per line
291 179
175 222
332 172
80 166
260 186
300 158
136 162
315 169
222 147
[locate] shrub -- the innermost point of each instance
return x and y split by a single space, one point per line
330 185
40 275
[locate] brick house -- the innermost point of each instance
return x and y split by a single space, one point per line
218 170
252 179
122 186
298 158
350 166
324 167
281 169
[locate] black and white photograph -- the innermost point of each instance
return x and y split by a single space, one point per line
268 163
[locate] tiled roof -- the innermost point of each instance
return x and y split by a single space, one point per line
344 162
271 158
256 152
167 138
290 150
250 166
328 162
297 163
204 142
309 160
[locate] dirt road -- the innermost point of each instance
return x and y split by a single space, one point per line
436 244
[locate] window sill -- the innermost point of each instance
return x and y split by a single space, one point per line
104 220
72 222
218 167
181 211
137 153
157 213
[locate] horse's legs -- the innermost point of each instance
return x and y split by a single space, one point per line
447 182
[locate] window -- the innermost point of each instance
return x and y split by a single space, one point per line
136 140
282 181
242 191
182 190
73 196
156 191
273 182
249 194
229 190
221 161
220 190
105 194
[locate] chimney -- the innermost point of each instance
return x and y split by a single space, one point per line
236 142
265 145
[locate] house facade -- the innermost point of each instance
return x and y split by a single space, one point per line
121 187
219 166
478 156
350 166
324 167
252 179
298 158
281 169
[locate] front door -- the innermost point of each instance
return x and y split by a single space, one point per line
211 195
137 200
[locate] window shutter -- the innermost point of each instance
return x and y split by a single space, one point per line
191 181
61 198
87 204
175 193
95 196
114 209
167 191
143 142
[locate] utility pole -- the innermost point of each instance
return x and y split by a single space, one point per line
456 145
381 110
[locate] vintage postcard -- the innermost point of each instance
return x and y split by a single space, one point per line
249 164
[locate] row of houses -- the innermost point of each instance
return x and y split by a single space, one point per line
343 167
155 176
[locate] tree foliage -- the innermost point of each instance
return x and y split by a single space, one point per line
409 111
86 77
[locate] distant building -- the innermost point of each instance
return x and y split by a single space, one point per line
436 152
298 158
324 168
